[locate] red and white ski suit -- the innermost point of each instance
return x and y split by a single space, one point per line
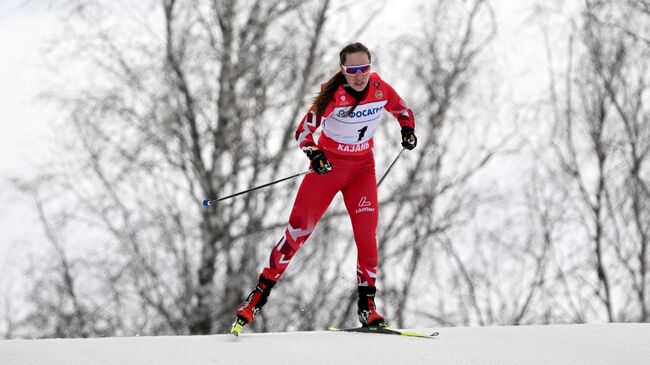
347 140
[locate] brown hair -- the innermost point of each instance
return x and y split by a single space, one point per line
325 95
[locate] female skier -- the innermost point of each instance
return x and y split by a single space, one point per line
348 109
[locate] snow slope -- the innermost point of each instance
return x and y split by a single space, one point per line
610 344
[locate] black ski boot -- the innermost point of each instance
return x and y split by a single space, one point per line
367 311
252 305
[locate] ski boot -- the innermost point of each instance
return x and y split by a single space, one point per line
367 311
252 305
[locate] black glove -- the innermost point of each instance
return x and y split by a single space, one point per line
409 140
319 162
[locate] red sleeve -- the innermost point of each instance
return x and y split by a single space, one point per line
398 107
308 125
306 128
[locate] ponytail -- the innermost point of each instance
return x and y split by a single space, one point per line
325 95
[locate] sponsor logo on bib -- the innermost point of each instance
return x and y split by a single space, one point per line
365 112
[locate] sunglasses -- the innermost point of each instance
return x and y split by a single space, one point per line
352 70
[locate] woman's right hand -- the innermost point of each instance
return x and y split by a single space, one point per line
319 161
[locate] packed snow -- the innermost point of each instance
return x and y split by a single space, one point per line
593 344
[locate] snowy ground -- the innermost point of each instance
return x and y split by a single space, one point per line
611 344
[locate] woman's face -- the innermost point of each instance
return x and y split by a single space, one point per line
357 80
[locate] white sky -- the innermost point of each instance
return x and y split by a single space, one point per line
21 120
24 132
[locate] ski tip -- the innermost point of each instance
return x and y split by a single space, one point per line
384 330
237 327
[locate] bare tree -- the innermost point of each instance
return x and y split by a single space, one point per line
195 99
622 72
174 117
190 100
601 130
434 197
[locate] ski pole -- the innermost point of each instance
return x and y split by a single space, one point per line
209 202
390 167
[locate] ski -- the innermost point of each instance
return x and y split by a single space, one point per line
237 327
384 330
